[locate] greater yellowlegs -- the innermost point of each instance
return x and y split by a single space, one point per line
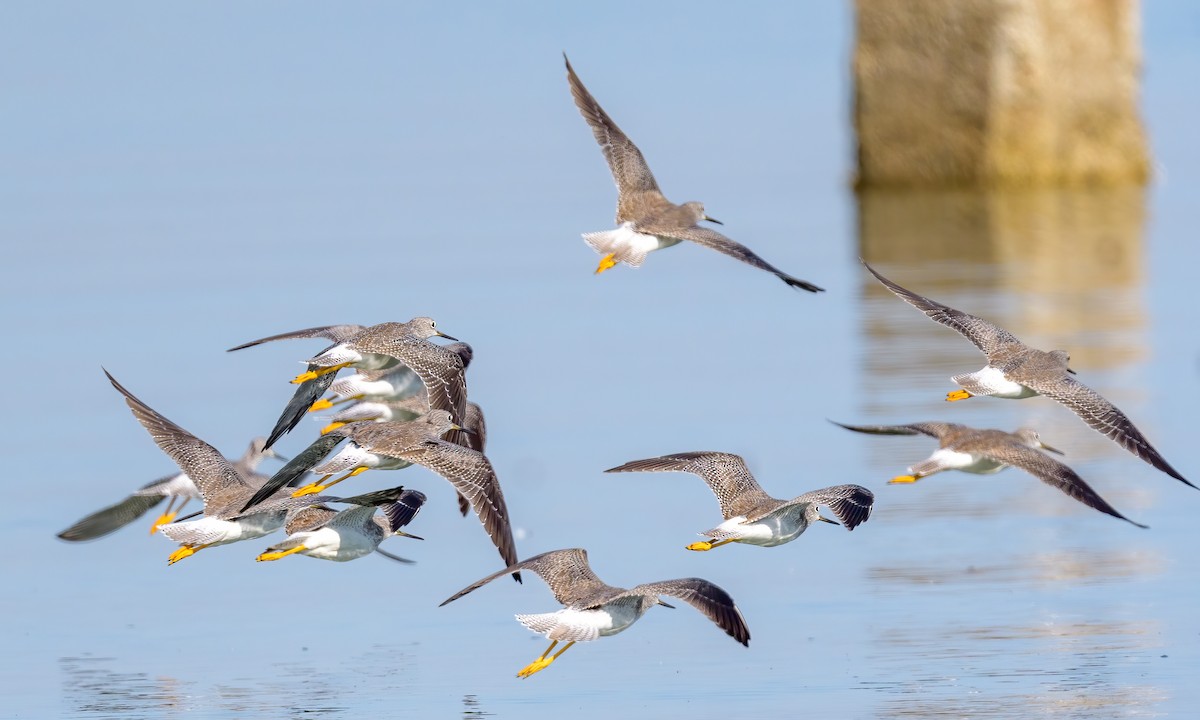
983 452
752 516
595 609
326 534
1015 371
397 444
646 220
473 435
378 347
221 486
175 487
379 411
388 385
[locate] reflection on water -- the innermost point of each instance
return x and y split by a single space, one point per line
1067 262
1078 565
1015 620
92 687
472 709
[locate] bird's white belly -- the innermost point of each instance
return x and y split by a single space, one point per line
358 385
774 529
353 456
573 625
991 381
967 462
626 244
213 531
338 546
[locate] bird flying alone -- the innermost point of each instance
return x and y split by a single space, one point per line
593 609
646 220
752 516
1015 370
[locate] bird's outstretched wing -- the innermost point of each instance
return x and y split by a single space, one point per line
987 337
727 476
1103 417
1053 473
716 241
215 477
566 572
473 477
851 503
715 603
629 169
932 429
333 333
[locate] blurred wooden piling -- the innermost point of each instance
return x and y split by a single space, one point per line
998 93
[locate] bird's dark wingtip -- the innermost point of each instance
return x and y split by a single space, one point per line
801 284
517 577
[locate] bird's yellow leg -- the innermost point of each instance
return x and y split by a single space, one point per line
606 262
331 427
958 395
543 662
312 488
326 403
166 517
314 374
185 551
269 556
903 479
323 486
704 545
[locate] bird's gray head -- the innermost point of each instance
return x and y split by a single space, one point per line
812 514
1063 357
697 210
425 328
1030 437
259 450
441 421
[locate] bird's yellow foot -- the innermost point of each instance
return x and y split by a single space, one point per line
700 546
900 479
269 556
181 553
536 666
162 520
606 262
957 395
322 404
331 427
314 374
310 489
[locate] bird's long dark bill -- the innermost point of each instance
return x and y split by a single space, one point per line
712 220
1056 451
448 337
825 519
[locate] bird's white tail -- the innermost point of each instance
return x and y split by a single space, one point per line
625 244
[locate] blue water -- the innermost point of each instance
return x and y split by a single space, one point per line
181 180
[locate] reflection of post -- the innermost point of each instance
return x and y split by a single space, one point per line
970 93
1066 263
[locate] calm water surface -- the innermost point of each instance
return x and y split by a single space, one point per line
987 596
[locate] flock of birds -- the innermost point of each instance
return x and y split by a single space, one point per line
406 404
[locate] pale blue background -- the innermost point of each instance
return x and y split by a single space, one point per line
181 178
